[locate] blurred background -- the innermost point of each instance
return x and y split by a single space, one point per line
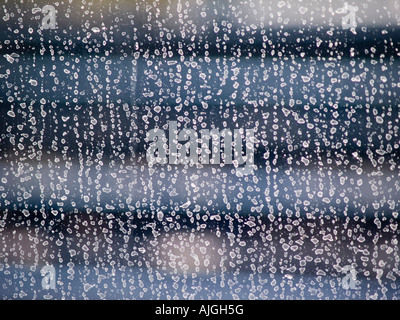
76 191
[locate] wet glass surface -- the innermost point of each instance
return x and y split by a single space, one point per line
101 199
